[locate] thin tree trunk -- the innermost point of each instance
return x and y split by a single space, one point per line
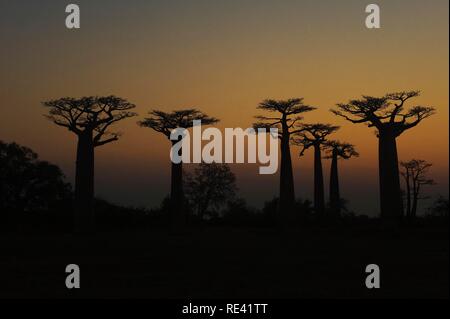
335 197
177 216
287 196
408 194
319 200
390 193
415 201
84 184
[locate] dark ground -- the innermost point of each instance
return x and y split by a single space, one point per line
222 262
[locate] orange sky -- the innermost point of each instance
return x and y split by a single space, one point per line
223 57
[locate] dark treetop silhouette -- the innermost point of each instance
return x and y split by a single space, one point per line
387 114
414 173
440 208
211 185
28 184
285 121
89 118
315 135
336 150
164 123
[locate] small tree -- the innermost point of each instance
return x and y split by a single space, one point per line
439 208
315 135
388 115
415 176
286 118
90 119
211 186
165 123
337 150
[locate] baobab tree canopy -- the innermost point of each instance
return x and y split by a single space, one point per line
287 119
313 134
387 112
90 114
164 122
340 149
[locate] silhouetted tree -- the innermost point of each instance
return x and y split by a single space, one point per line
414 173
165 123
315 135
335 151
89 118
285 121
440 207
211 185
28 184
388 116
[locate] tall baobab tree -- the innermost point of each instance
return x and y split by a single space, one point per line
315 136
89 118
335 151
165 123
414 173
388 115
287 116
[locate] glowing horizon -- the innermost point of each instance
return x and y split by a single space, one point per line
224 58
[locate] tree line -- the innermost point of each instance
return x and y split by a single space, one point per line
91 118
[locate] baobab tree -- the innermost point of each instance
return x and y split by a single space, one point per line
337 150
89 118
388 115
165 123
315 136
285 120
415 176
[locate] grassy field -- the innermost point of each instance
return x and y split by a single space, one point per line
224 262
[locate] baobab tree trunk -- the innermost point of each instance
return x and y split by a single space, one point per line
287 196
408 194
84 183
319 200
390 192
177 217
335 197
414 202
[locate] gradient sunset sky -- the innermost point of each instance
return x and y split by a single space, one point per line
223 57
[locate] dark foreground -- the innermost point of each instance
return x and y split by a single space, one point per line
224 262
